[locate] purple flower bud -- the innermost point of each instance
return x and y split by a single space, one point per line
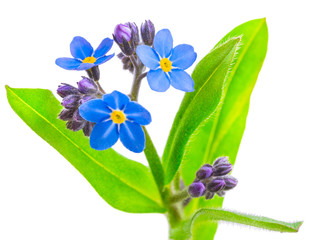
216 185
135 32
204 172
86 98
75 125
87 86
230 182
209 195
221 193
222 169
88 128
122 32
196 189
66 114
220 161
148 32
71 101
66 89
77 117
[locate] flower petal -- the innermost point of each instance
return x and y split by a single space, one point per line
136 113
181 80
104 135
183 56
95 110
116 100
148 56
158 80
163 43
132 136
80 48
68 63
85 66
103 59
103 48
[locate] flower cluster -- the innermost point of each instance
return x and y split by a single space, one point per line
109 117
72 98
211 180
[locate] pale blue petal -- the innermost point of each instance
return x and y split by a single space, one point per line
132 136
116 100
80 48
68 63
158 80
148 56
95 110
163 43
85 66
103 48
104 59
183 56
181 80
104 135
136 113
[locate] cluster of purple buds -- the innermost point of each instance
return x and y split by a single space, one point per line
72 98
127 38
211 180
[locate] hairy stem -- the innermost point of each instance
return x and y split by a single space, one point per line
180 196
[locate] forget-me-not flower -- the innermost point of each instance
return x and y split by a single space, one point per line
116 117
84 55
167 64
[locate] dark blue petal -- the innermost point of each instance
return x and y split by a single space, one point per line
104 59
104 135
163 43
68 63
85 66
80 48
148 56
183 56
95 110
158 80
116 100
181 80
103 48
132 136
136 113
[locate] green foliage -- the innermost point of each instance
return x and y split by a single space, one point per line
209 77
123 183
221 135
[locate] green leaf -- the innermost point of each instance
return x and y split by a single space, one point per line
123 183
221 135
212 215
209 77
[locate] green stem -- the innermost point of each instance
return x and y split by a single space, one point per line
180 196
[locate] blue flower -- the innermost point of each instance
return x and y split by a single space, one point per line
84 55
167 64
116 117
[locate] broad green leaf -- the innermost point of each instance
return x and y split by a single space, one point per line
209 77
221 135
123 183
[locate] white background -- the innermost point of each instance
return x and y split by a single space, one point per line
43 197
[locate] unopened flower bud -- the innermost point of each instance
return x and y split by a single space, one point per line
196 189
230 182
70 101
66 89
204 172
220 161
66 114
77 117
75 125
216 185
135 32
221 193
209 195
86 98
88 128
148 32
87 86
127 64
222 169
123 36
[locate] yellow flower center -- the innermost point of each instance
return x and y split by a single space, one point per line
118 116
89 60
165 64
